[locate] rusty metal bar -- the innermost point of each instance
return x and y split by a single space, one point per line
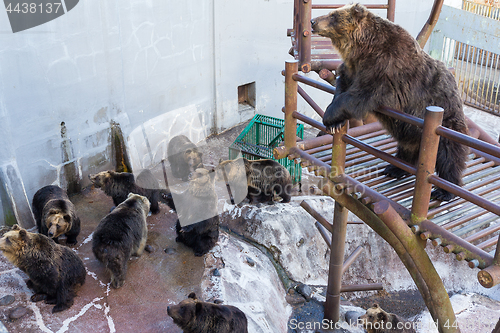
291 67
313 83
354 255
469 141
426 163
339 229
317 216
323 232
328 64
442 306
393 113
309 121
391 10
486 244
471 197
361 287
369 6
425 33
369 157
304 35
483 233
380 154
310 101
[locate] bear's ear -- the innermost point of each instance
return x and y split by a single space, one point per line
199 307
220 160
382 316
376 306
15 227
23 234
67 218
192 295
358 12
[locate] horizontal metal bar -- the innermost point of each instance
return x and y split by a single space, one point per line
393 113
361 287
313 83
469 141
373 6
309 121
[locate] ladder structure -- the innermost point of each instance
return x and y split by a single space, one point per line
401 211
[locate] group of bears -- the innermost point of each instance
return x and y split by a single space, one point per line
383 65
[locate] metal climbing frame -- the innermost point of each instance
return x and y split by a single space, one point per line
400 210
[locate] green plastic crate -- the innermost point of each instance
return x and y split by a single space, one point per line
260 137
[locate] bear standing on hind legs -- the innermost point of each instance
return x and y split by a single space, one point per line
383 65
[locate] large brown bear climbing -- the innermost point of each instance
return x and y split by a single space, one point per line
119 184
376 320
121 234
184 157
265 178
383 65
197 209
195 316
55 214
54 271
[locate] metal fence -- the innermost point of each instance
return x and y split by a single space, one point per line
468 40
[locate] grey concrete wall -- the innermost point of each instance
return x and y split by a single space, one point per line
157 68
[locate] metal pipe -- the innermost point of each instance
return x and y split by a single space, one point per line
309 121
469 141
361 287
393 113
323 234
382 155
374 6
291 67
339 229
310 101
317 216
426 163
313 83
391 10
354 255
425 33
325 168
304 35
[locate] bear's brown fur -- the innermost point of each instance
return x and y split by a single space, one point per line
384 66
119 184
264 177
376 320
183 156
195 316
121 234
54 271
55 214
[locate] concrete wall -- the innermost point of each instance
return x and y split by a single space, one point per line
156 68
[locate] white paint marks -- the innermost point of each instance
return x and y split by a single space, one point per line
68 321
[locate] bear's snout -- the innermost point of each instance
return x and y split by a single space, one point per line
50 234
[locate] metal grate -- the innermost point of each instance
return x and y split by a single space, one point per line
483 10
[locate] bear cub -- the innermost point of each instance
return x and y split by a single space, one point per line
55 214
197 208
195 316
383 65
121 234
183 156
119 184
265 178
54 271
376 320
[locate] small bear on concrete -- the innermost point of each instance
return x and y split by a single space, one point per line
55 214
54 271
183 156
195 316
197 208
265 178
376 320
121 234
119 184
384 66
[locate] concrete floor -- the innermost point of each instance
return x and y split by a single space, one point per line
154 281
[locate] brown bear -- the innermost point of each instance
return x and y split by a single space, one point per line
55 214
195 316
264 178
376 320
183 156
54 271
383 65
121 234
197 210
119 184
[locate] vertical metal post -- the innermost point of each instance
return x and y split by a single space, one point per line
426 163
304 35
391 10
291 67
332 304
339 229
